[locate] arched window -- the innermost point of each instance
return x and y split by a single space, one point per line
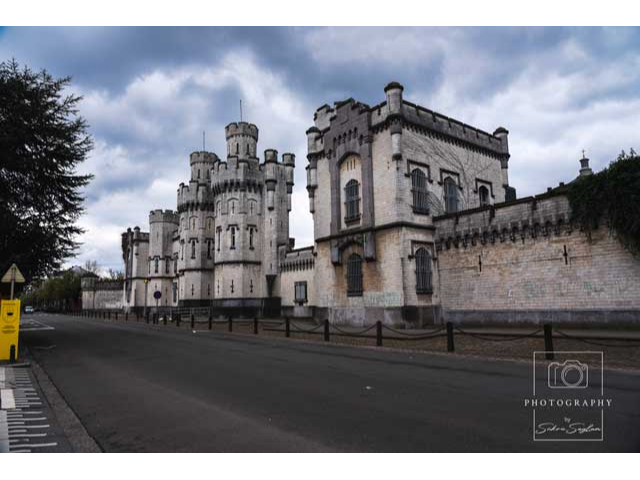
450 195
354 275
483 193
352 200
423 271
419 189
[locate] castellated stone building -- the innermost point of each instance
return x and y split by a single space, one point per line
415 223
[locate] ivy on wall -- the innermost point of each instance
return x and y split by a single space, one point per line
611 196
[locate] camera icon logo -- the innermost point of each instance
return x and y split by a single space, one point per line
569 374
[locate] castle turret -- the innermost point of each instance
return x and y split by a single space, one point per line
242 140
315 148
585 170
289 160
201 165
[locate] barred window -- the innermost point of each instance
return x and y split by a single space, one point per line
483 193
450 195
352 203
300 292
419 189
423 271
354 275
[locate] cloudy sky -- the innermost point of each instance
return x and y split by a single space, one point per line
150 92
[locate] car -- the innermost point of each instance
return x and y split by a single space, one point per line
28 309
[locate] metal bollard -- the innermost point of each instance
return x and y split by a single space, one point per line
548 341
379 333
126 317
116 316
255 325
164 319
178 319
210 321
326 330
192 321
147 318
450 344
12 354
230 323
287 327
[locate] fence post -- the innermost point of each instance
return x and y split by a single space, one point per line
287 327
379 333
230 323
193 321
109 315
326 330
137 316
164 320
548 341
210 321
255 325
147 318
178 318
450 344
126 317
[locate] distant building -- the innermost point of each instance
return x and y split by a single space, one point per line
414 223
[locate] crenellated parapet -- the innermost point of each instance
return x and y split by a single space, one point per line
194 196
164 216
299 259
522 220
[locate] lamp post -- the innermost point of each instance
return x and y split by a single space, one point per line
146 286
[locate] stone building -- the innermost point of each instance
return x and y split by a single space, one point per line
415 223
220 247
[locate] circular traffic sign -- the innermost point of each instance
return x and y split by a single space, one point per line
157 294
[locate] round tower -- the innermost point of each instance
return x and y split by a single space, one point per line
201 165
242 140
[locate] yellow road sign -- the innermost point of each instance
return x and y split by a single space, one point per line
13 275
9 329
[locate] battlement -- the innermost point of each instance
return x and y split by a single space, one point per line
139 235
298 259
164 216
527 218
203 157
194 195
241 128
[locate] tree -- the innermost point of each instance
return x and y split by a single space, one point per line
91 266
610 197
116 275
42 142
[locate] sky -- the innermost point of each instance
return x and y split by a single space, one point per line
149 93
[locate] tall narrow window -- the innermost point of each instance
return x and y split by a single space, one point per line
193 223
182 250
352 200
450 195
423 271
419 190
483 193
300 292
193 249
251 237
156 265
233 238
167 265
209 249
219 232
175 265
354 275
175 292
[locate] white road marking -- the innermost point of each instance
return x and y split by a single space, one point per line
7 400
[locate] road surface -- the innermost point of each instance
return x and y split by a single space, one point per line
138 388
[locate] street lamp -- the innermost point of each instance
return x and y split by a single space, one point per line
146 286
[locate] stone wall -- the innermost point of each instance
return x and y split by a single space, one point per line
102 295
524 262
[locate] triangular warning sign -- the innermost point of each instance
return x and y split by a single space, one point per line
13 275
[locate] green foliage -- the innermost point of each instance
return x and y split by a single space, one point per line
611 196
42 142
54 291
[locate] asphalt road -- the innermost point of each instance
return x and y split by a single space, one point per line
141 388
